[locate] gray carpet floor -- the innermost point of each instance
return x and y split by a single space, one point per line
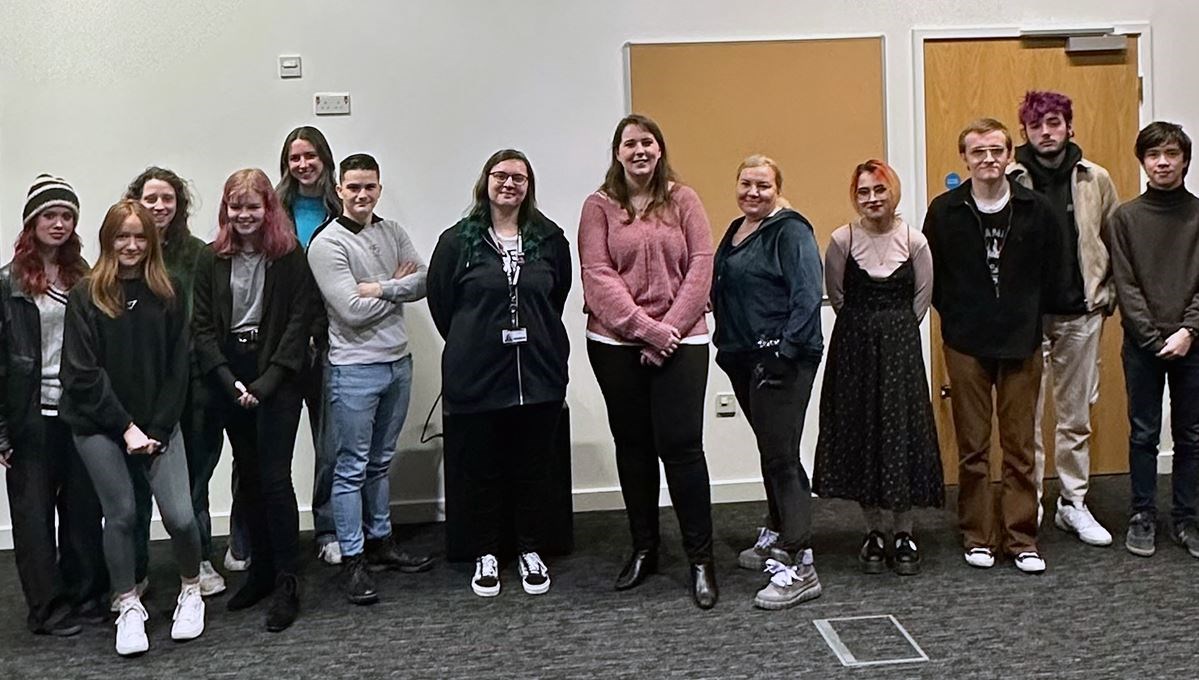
1096 613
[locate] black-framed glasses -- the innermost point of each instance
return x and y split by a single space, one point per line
503 177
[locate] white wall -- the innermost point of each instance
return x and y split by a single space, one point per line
97 91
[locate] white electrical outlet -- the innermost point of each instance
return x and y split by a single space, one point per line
331 104
726 404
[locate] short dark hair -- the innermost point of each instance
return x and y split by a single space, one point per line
1039 103
1160 133
358 161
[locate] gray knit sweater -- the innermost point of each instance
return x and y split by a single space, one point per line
365 330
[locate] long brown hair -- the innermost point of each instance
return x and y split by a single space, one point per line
103 283
617 188
28 271
177 231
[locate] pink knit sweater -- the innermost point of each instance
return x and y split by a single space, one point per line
644 279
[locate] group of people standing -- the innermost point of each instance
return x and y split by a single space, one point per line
119 379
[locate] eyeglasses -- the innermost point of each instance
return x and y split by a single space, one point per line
981 153
503 177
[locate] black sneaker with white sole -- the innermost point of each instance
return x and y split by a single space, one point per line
1187 536
534 575
1142 534
486 581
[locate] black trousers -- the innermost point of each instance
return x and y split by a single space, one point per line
506 465
658 413
60 572
776 414
263 440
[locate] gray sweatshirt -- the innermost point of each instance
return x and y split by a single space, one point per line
365 330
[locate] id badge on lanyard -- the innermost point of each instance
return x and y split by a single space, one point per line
514 334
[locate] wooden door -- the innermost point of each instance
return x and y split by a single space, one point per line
969 79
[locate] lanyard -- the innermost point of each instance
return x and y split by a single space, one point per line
512 261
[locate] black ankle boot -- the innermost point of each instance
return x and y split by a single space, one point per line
256 588
285 605
703 585
637 569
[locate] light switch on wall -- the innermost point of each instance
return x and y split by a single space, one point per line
726 405
290 66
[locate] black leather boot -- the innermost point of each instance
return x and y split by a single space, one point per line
703 585
637 569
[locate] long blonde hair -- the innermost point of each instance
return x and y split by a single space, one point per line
103 285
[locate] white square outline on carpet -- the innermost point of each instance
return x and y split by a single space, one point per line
825 626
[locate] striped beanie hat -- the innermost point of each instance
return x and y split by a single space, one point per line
49 191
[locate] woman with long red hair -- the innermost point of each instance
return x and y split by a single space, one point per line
253 305
44 469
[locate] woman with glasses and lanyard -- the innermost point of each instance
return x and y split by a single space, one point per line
497 285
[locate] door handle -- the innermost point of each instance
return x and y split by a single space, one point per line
946 392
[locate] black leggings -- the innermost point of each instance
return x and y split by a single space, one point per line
659 413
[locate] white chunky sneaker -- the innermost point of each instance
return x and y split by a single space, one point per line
330 553
211 582
142 587
982 558
189 614
755 556
534 575
486 581
131 627
1030 562
1076 518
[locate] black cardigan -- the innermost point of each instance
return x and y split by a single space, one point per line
975 320
283 331
468 298
131 369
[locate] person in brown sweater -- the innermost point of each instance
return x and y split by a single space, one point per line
1154 243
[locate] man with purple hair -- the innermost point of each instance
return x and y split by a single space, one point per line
1083 198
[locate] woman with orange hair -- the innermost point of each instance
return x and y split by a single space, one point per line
124 378
878 443
253 302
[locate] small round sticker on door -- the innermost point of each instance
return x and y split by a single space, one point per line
953 180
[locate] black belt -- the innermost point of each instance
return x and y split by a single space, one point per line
246 337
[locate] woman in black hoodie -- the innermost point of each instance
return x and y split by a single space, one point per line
766 293
498 282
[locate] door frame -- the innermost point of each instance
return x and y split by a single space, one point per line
922 35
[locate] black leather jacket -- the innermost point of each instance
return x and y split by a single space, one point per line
20 364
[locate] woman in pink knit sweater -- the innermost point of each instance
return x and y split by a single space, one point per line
645 247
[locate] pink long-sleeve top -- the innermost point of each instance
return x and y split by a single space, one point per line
644 279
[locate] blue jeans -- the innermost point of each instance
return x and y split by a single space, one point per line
1145 376
367 407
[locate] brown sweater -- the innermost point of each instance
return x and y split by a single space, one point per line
1154 243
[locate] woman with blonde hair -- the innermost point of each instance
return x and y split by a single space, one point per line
766 300
124 375
878 442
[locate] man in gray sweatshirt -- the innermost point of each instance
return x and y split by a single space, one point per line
1154 243
366 268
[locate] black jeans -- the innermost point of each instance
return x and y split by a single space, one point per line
659 413
57 572
1145 377
776 413
506 464
263 440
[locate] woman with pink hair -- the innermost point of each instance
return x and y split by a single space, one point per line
253 302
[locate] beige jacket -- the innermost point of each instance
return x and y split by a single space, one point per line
1094 202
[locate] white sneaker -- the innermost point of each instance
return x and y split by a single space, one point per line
141 587
330 553
234 564
131 627
486 581
211 582
755 556
189 614
1077 519
982 558
1030 563
534 575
